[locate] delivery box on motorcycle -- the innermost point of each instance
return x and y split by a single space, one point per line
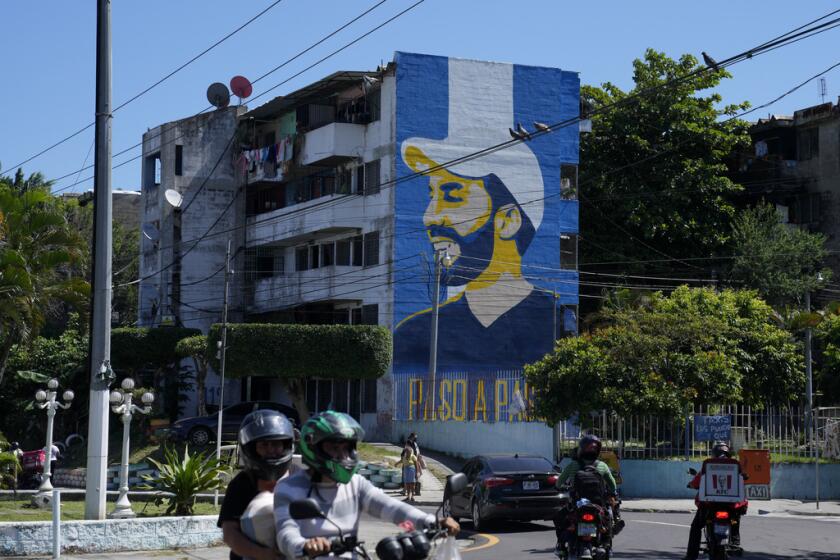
722 482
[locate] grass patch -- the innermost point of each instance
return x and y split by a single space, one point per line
22 510
375 454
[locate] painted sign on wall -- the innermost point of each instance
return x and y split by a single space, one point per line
500 397
497 216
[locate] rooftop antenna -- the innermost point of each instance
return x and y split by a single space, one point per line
218 95
241 87
823 89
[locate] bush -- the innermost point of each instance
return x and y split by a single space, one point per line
185 478
9 468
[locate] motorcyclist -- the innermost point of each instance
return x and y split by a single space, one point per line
587 453
328 446
720 454
266 445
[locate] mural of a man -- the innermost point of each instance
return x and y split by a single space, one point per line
484 214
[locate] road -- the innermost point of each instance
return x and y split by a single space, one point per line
663 536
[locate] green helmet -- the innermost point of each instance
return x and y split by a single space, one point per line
330 426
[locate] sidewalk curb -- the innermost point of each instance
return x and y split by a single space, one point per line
803 513
640 509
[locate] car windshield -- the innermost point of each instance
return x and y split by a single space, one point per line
520 464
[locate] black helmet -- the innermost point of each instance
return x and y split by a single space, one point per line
14 446
589 447
721 449
263 425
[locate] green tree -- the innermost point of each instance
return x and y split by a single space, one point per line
780 262
694 346
36 248
656 165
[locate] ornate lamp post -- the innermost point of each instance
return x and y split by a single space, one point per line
121 404
47 399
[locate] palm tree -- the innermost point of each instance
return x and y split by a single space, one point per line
36 247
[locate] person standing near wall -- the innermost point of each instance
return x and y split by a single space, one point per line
421 464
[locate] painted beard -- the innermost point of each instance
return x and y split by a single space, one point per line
470 255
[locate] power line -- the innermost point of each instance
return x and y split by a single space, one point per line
568 122
329 35
148 89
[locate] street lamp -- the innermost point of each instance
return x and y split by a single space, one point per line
121 404
441 258
47 399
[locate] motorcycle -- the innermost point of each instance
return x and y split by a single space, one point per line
408 545
588 535
722 520
32 463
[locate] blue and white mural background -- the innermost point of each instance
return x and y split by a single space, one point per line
498 217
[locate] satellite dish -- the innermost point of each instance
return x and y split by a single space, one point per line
241 87
150 231
218 95
173 197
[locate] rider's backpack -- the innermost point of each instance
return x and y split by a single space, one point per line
590 484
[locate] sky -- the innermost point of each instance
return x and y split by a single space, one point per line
47 52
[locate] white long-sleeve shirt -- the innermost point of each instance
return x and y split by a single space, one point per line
341 503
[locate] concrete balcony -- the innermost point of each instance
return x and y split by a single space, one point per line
336 284
333 144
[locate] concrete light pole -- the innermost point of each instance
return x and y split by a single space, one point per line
47 399
222 349
100 330
121 404
441 257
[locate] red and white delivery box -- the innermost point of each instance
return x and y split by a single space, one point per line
722 482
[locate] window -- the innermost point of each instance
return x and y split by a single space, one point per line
342 252
344 181
356 316
568 251
809 143
301 258
568 182
370 314
357 251
371 248
324 394
151 173
520 464
269 262
360 179
369 396
340 395
355 398
328 254
371 178
179 159
314 254
312 395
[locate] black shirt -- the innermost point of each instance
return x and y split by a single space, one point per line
241 490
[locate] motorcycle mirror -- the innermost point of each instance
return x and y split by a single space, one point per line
305 509
692 471
455 483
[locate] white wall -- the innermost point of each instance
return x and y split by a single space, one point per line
466 439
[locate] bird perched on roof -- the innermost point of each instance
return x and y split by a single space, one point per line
710 62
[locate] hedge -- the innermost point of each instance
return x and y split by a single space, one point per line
133 348
295 351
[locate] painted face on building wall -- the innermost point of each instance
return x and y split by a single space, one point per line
466 216
497 215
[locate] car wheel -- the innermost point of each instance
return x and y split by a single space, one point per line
200 436
446 510
479 524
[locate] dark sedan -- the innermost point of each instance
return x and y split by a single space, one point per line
514 486
201 430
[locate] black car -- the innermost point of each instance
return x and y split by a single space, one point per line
509 486
201 430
